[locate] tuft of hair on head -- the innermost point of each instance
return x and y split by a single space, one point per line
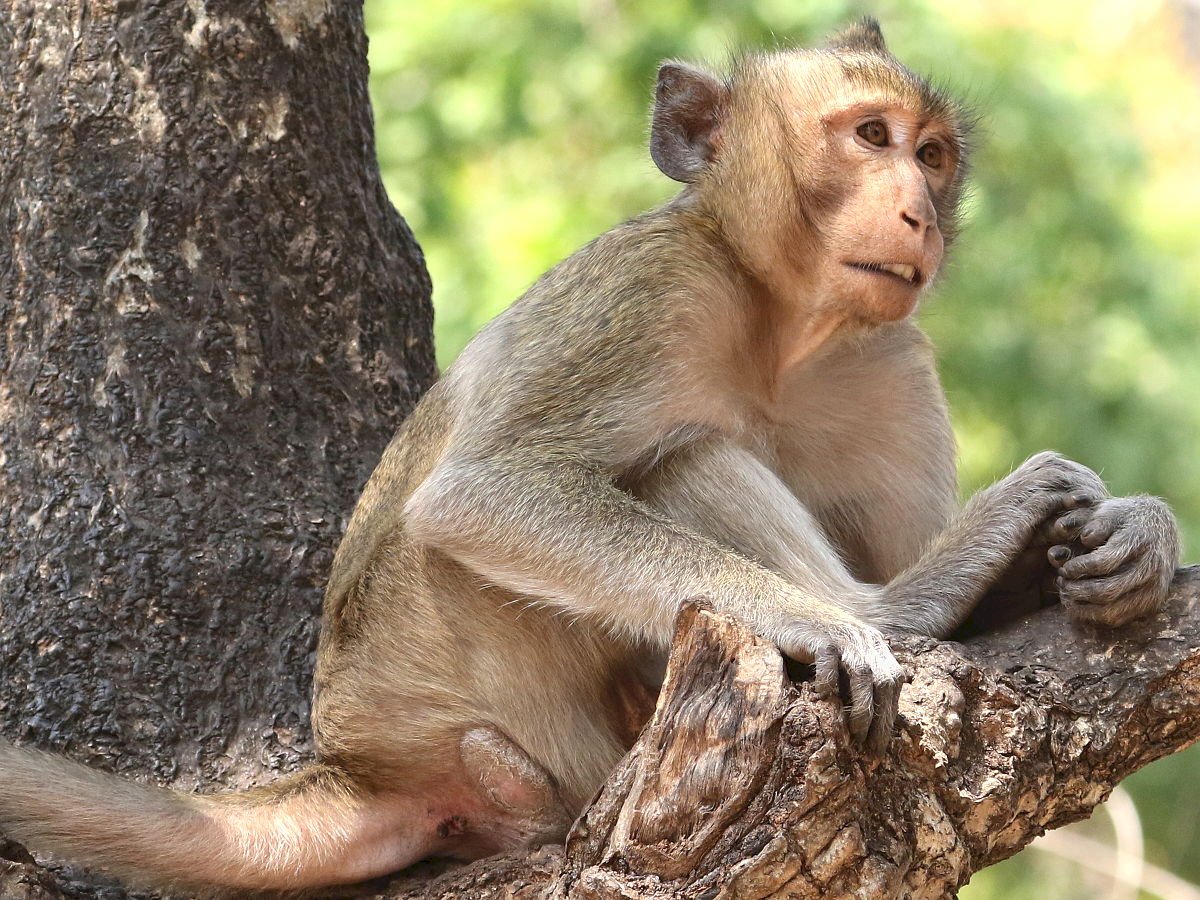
865 36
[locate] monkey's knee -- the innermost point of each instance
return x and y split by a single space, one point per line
523 796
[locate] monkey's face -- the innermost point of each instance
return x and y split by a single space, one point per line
835 174
845 186
881 242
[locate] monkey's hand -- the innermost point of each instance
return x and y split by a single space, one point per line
857 656
1054 498
1048 483
1120 566
990 565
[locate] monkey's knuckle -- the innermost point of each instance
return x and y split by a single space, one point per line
1042 460
860 668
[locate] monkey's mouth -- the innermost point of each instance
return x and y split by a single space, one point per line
909 275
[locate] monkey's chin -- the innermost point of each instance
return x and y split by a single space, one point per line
881 297
884 304
895 306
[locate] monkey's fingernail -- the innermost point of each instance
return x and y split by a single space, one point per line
1060 554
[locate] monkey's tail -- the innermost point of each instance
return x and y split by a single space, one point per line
309 830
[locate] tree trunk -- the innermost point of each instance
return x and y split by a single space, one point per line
211 323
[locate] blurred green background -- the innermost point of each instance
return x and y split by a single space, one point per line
510 133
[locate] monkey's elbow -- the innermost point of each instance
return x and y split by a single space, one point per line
439 509
427 511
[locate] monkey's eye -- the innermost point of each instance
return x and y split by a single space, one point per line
874 132
931 154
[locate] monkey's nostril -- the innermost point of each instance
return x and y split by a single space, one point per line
910 221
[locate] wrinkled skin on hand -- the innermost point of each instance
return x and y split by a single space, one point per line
1108 560
1115 560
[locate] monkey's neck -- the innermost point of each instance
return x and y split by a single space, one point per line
799 336
790 329
787 325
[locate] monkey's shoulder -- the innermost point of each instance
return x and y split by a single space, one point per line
646 271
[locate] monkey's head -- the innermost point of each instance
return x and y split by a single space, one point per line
834 173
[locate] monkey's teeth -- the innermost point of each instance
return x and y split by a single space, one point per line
908 273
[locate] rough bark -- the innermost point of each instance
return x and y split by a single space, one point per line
211 322
743 786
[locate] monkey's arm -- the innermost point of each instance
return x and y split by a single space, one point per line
1109 559
722 490
564 534
937 592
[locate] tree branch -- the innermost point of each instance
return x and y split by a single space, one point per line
744 786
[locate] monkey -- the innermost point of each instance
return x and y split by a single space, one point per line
726 398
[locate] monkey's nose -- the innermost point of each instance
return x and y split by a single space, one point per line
918 214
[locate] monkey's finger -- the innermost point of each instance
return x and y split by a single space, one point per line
1104 561
1066 527
887 703
1106 589
1099 530
1081 498
1058 555
862 703
1127 606
828 664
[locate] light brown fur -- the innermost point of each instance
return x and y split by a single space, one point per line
723 398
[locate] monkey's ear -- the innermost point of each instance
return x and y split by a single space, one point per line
687 116
864 35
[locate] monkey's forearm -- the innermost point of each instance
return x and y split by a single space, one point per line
569 537
940 590
722 490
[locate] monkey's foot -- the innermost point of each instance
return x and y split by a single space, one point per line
522 803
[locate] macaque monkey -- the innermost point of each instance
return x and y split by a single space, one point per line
725 398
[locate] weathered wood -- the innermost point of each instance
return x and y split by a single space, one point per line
23 879
743 786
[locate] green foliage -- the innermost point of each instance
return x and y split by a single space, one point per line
511 133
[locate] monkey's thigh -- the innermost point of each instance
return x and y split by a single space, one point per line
509 716
567 694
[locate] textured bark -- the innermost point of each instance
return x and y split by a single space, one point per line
211 322
743 786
